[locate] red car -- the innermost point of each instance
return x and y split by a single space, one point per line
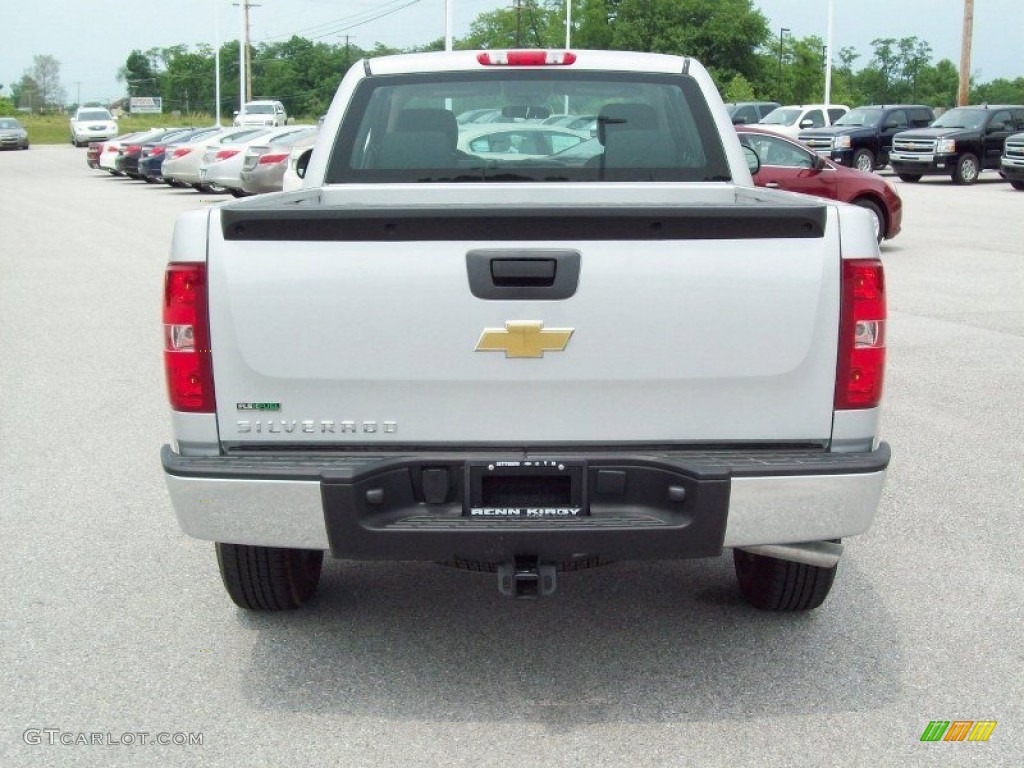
92 155
791 166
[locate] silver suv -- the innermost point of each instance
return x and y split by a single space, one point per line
262 113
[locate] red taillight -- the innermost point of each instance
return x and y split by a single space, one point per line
861 369
526 58
132 148
157 151
224 154
181 152
271 159
187 360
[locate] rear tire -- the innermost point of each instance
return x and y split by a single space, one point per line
876 211
771 584
269 578
910 178
863 160
966 170
1015 184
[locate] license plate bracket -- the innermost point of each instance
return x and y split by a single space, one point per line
525 489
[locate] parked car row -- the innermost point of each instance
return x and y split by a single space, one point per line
961 143
254 160
209 159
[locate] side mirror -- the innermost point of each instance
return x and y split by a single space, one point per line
235 112
807 123
739 121
891 126
303 163
753 161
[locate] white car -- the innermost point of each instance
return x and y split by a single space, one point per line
262 113
182 167
512 141
790 120
221 167
292 180
107 159
92 124
264 165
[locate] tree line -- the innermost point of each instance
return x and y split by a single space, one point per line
730 37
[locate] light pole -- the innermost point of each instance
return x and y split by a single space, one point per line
782 33
828 58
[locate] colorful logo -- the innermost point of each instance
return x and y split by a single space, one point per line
958 730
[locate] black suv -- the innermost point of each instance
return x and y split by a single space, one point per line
862 138
750 112
963 142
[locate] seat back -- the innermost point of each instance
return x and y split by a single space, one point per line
632 138
422 138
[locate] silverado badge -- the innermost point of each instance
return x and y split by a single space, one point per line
524 338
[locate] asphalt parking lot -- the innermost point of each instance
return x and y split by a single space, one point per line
115 630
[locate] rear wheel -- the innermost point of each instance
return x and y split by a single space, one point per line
269 578
780 585
910 178
863 160
966 170
877 213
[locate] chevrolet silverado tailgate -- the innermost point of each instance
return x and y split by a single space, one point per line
713 323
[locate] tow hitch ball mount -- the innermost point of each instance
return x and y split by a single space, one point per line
526 578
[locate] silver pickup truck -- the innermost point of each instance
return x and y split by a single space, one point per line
527 314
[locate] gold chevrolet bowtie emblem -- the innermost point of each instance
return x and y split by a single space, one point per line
524 338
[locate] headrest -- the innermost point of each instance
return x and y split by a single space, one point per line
432 120
631 116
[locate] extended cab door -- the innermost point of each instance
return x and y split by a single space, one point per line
998 129
892 124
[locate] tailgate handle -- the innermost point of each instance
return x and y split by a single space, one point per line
523 274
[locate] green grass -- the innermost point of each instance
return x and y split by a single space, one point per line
55 129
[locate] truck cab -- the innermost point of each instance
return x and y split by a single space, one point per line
961 143
862 138
790 120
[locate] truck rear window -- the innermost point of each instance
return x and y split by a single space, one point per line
526 125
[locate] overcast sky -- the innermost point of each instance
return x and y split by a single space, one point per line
92 40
